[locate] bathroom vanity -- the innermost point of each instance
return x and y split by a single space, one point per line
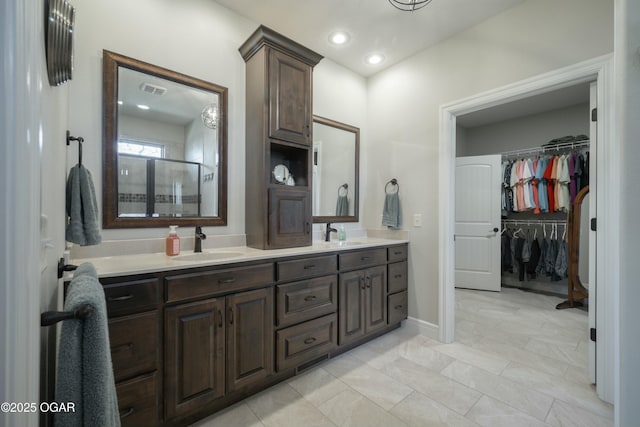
192 336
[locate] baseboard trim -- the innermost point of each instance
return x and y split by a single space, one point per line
422 327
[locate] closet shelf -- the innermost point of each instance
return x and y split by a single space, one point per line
547 148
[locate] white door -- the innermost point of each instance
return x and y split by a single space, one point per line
477 227
590 235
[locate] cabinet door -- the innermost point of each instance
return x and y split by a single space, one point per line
289 218
289 98
376 298
249 338
194 356
351 302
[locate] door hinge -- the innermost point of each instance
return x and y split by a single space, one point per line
594 115
594 224
593 334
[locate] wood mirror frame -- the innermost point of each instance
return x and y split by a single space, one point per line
317 120
111 218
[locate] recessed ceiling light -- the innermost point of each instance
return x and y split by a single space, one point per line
339 38
143 107
374 59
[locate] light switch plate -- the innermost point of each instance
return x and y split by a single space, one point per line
417 220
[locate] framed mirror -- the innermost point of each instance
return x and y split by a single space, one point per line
164 147
336 165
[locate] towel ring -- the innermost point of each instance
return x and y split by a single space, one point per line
393 182
344 187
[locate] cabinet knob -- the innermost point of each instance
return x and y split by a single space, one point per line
310 340
310 298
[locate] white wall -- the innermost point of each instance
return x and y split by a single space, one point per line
525 132
340 94
627 95
403 105
198 38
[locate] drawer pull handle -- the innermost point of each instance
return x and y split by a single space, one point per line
125 414
361 280
397 307
364 258
309 266
231 316
226 281
397 276
122 298
310 298
220 321
124 347
368 281
397 253
310 340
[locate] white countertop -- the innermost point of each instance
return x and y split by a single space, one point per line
153 262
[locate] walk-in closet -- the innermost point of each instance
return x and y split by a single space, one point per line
520 167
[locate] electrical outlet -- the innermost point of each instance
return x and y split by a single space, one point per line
417 220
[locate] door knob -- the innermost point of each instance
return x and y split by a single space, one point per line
496 229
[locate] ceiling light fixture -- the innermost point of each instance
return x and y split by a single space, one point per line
210 116
374 59
339 38
409 5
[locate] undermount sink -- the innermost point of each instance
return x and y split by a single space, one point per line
339 244
206 256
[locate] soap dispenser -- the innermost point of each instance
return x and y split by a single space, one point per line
342 234
173 242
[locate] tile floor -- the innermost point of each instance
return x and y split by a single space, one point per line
516 362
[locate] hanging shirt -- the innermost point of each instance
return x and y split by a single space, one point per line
534 185
513 182
563 184
549 181
572 177
526 184
542 184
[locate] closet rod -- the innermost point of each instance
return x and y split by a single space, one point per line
547 148
534 221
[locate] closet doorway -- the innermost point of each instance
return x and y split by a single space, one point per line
521 217
578 77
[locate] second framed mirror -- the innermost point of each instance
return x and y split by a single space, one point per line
336 159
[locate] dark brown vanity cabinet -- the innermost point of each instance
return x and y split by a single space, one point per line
133 307
194 356
216 346
363 305
363 294
397 298
278 140
188 342
219 345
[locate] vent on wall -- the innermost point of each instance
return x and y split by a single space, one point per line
152 89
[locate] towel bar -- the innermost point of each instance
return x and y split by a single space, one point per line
62 267
49 318
393 182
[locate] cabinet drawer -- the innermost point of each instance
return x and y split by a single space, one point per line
359 259
397 307
306 341
397 277
134 344
138 402
397 253
209 283
132 296
300 301
307 267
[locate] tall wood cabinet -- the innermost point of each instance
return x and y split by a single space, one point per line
278 132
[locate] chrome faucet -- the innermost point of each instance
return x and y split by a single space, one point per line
327 234
200 236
